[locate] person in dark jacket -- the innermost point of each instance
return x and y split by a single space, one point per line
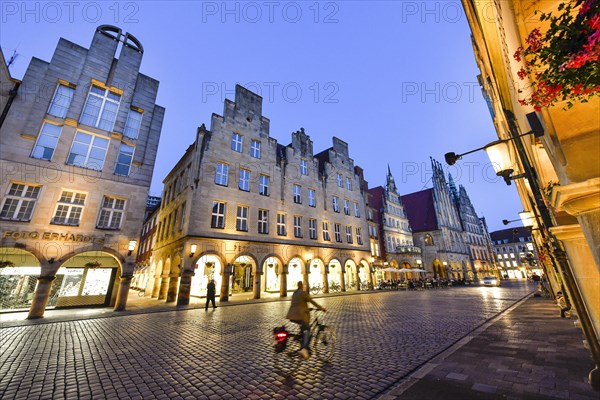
300 314
210 294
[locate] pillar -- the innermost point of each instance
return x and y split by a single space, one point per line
156 287
326 279
305 278
164 287
172 292
256 286
40 298
122 293
185 284
357 277
283 281
224 294
342 279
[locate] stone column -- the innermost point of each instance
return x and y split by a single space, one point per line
283 281
40 297
326 279
256 285
173 285
156 287
224 294
343 279
357 278
185 284
305 278
164 287
121 301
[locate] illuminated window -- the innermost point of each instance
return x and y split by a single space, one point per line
428 240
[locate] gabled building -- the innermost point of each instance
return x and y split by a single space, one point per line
437 229
397 247
516 254
257 216
78 146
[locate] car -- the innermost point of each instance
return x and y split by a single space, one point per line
491 281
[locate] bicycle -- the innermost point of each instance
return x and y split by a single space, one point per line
315 289
334 287
142 293
288 344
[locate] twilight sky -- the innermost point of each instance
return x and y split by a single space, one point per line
397 80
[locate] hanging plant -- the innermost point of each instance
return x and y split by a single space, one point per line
93 264
563 61
5 264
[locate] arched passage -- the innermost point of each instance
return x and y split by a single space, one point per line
207 267
272 267
19 271
295 274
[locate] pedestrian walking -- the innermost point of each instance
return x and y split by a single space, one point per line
210 294
562 303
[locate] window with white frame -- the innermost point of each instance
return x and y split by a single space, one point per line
281 224
263 221
339 180
133 124
337 228
20 202
244 183
221 174
359 236
346 207
88 151
46 141
111 213
312 228
297 226
356 210
303 167
218 215
69 208
312 200
101 108
348 183
326 231
124 160
263 185
237 141
297 194
255 149
61 101
349 234
336 204
241 223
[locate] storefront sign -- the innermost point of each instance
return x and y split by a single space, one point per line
52 236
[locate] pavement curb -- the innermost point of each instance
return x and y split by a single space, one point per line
416 375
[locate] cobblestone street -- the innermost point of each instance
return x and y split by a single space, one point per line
227 352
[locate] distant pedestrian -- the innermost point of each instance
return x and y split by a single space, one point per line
562 303
210 294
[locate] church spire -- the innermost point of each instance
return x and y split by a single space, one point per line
452 187
390 185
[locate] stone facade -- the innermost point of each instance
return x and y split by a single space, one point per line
78 147
516 254
258 216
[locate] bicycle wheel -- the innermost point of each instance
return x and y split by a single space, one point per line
288 361
325 344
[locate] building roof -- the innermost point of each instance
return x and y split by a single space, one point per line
511 234
420 210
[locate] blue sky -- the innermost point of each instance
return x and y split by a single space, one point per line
394 79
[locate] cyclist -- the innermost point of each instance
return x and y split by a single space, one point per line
300 314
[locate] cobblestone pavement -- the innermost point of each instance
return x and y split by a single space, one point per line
227 353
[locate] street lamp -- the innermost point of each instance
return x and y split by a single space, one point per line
500 156
131 247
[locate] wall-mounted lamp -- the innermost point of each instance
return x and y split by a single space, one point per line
527 219
499 154
193 249
309 257
445 263
372 260
419 262
131 247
